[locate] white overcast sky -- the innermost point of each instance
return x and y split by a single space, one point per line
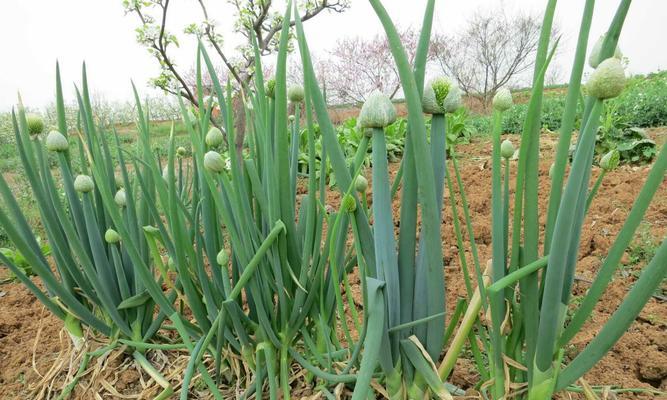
34 33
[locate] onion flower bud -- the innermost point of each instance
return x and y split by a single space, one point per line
360 183
349 204
111 236
191 117
214 137
35 124
181 151
502 101
213 162
377 112
594 58
56 141
83 184
222 258
506 148
270 88
120 198
295 94
610 160
608 80
435 94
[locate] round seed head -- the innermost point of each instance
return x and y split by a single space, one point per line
506 148
360 183
502 101
56 141
222 258
35 124
270 88
214 137
291 118
349 204
83 184
120 198
295 94
377 112
594 58
610 160
111 236
213 162
181 151
608 80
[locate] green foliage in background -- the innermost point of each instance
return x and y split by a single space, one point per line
644 102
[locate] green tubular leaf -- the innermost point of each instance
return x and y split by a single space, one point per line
620 321
459 237
408 216
498 258
569 216
527 187
424 367
60 103
454 320
568 120
385 244
282 145
243 280
594 190
517 275
134 301
425 184
373 341
438 153
421 56
333 148
653 182
469 227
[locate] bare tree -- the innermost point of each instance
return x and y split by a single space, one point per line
494 50
251 18
360 66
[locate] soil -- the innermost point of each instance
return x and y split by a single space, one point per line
32 340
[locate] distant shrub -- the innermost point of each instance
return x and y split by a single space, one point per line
552 113
644 101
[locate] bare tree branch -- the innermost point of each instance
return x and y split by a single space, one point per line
363 65
493 51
